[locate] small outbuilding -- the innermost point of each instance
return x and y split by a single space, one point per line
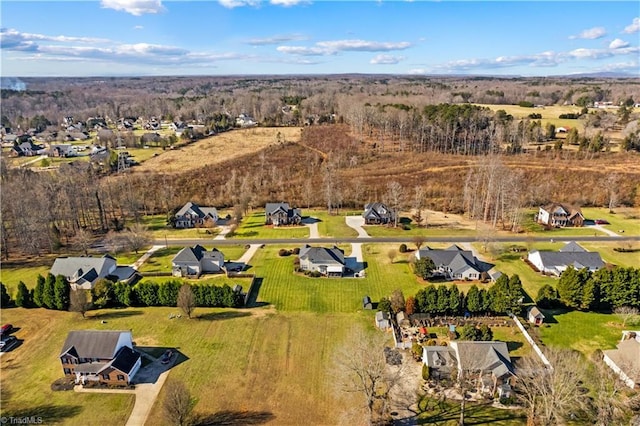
534 316
366 303
382 320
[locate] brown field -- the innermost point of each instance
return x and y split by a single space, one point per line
219 148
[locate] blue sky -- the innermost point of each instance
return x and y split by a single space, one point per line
231 37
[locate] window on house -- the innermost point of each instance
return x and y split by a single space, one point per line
121 377
65 361
105 376
67 371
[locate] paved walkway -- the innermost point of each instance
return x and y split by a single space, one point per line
138 263
246 257
224 230
356 222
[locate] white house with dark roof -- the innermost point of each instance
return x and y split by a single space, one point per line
281 214
378 213
560 215
572 254
192 215
83 272
327 261
196 260
101 356
454 263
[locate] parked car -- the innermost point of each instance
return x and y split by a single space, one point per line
166 357
6 329
601 222
7 343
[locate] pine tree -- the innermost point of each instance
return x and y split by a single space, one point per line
38 292
49 295
23 297
61 293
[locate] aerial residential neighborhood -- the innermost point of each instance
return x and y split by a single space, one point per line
319 213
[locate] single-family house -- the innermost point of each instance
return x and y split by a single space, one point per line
26 148
100 356
534 316
572 254
197 260
278 214
62 150
382 320
378 213
327 261
625 359
488 362
560 216
83 272
244 120
192 215
454 263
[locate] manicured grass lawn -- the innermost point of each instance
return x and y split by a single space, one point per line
333 226
10 277
129 257
517 344
448 414
390 231
253 226
160 261
582 331
626 219
29 369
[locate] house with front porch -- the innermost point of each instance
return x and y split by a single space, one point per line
192 215
196 260
560 215
378 213
327 261
100 356
454 263
278 214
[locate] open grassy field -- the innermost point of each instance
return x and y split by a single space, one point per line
219 148
333 226
11 276
157 225
582 331
448 414
609 255
253 226
626 219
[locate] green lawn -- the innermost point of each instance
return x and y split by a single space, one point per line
626 219
333 226
582 331
609 255
160 261
157 224
448 414
10 277
128 258
429 231
253 226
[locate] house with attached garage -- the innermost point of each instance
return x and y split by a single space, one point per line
327 261
196 260
572 254
278 214
83 272
192 215
560 216
378 213
454 263
100 356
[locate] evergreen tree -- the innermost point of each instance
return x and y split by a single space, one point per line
442 302
23 297
548 297
102 293
5 298
454 300
38 292
473 302
384 305
61 293
122 294
49 293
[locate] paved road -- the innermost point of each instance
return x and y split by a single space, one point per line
407 239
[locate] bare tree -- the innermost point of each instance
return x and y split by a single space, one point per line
419 241
612 184
552 395
395 195
362 369
392 253
178 403
79 302
397 301
83 240
186 300
137 237
610 403
626 313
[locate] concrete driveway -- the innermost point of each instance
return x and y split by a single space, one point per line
355 262
356 222
312 224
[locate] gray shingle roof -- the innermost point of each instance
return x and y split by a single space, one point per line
196 253
81 267
454 258
572 247
579 260
377 211
125 360
322 255
271 208
485 356
193 208
92 343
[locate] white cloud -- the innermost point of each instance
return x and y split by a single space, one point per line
274 39
231 4
333 47
617 44
287 3
417 71
386 60
591 33
634 27
134 7
138 27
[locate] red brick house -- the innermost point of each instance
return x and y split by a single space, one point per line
100 356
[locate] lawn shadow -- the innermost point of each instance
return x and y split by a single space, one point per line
310 220
219 316
114 314
550 315
48 413
252 298
246 234
232 418
150 373
512 346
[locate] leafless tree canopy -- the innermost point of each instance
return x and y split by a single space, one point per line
178 403
186 300
79 302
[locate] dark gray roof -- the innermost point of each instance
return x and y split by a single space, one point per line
271 208
82 267
454 258
123 272
196 253
125 360
572 246
92 343
579 260
193 208
322 255
439 356
377 211
485 356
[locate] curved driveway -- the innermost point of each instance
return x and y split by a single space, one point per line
356 222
